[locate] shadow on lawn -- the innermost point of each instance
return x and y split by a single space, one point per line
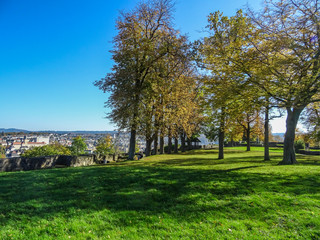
149 189
209 161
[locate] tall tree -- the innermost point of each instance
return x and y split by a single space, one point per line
278 50
227 84
172 87
288 51
143 39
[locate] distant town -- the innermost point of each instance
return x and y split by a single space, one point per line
18 141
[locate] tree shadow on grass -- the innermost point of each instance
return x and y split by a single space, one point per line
211 161
276 157
308 159
150 190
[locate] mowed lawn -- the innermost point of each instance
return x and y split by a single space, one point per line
186 196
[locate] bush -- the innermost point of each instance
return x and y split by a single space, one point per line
299 144
47 150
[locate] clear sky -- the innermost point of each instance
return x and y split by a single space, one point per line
51 52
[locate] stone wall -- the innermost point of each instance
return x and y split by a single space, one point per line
25 164
77 161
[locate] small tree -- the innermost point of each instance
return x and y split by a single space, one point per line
78 146
2 151
105 146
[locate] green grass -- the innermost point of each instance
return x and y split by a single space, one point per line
314 150
185 196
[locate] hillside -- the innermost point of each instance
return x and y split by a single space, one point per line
184 196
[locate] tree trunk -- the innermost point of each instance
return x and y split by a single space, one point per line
148 146
289 156
189 144
132 145
248 130
221 142
161 145
169 145
176 142
221 134
155 144
266 134
183 143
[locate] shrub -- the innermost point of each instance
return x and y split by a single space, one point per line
47 150
299 144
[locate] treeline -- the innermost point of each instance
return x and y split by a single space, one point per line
153 83
227 84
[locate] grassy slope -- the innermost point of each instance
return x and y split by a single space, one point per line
187 196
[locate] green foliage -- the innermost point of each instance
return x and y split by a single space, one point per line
152 84
137 149
311 120
180 196
211 132
78 146
47 150
2 151
105 146
263 51
298 145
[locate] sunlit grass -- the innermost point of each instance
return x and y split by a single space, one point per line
186 196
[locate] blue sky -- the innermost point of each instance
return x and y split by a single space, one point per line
52 51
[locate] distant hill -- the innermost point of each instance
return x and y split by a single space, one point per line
15 130
11 130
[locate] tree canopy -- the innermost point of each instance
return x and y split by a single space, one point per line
254 61
78 146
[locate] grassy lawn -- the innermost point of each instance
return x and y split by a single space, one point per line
315 150
185 196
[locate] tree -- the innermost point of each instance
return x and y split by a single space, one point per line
160 107
246 110
144 38
288 52
226 90
78 146
105 146
278 51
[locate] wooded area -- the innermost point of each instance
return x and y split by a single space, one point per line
250 68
